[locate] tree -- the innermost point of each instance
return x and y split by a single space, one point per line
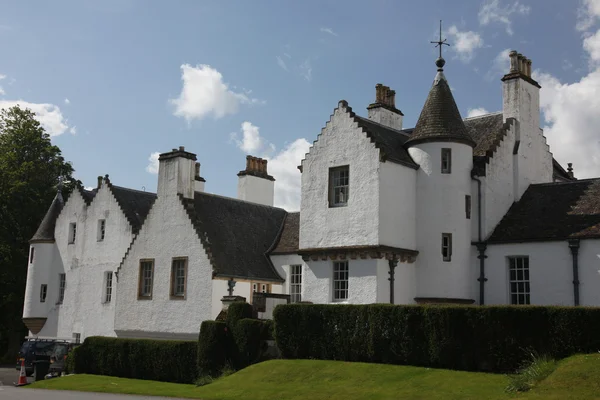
30 168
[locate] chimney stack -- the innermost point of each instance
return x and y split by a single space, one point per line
176 173
384 110
198 180
99 182
255 184
570 170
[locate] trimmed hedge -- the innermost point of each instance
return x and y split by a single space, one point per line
249 336
214 348
237 311
158 360
474 338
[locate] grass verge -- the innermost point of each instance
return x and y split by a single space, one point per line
574 378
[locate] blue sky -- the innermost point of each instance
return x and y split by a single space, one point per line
115 81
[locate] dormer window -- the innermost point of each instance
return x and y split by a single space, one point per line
446 161
339 189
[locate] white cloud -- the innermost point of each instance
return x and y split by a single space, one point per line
491 11
204 93
329 31
587 14
570 112
251 141
1 88
284 168
73 130
67 101
476 112
282 165
465 43
153 164
500 66
306 70
281 63
49 115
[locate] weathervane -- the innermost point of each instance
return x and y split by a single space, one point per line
440 43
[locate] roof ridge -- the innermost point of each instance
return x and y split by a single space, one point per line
133 190
483 115
382 125
566 183
240 200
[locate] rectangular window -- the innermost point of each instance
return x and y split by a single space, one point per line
146 279
468 206
340 280
295 283
31 255
101 229
446 161
178 277
76 337
447 246
518 270
43 293
62 283
72 232
265 288
108 280
339 189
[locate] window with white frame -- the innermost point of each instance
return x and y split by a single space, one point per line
101 229
31 255
178 277
72 232
446 246
518 271
295 283
340 280
43 293
446 161
108 286
62 283
146 279
265 287
339 186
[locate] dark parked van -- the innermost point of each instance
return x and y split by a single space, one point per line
35 349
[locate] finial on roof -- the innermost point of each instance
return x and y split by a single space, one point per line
440 62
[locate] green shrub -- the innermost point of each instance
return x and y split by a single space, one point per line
532 373
214 348
475 338
249 336
159 360
238 310
270 329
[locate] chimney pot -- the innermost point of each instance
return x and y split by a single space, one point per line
99 181
197 166
181 148
521 63
528 64
391 98
514 62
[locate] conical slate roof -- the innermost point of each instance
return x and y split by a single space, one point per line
45 231
440 120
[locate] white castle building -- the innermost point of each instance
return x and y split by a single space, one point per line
454 210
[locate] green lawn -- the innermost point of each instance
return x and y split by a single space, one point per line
575 378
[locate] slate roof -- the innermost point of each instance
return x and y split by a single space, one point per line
237 235
553 211
45 231
135 204
440 119
487 131
289 240
389 140
88 195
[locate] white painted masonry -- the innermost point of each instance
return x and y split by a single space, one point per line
399 205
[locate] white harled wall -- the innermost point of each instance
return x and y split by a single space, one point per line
441 209
397 205
256 190
167 233
550 272
340 143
